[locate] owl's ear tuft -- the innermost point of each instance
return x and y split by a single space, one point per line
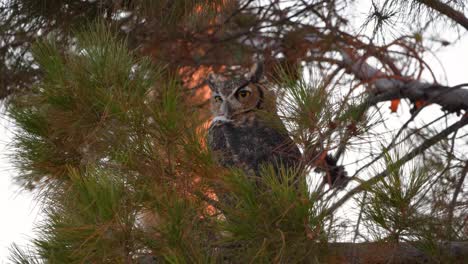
256 72
211 80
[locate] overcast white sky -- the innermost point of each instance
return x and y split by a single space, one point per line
20 211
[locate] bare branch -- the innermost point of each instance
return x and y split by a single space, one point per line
446 10
455 196
387 88
455 252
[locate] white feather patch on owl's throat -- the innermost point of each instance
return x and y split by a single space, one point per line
221 119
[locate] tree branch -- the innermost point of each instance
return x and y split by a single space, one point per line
452 99
371 253
390 87
455 196
402 253
446 10
415 152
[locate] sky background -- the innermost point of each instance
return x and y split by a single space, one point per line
20 210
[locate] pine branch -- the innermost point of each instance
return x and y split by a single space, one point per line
387 88
402 253
415 152
446 10
371 253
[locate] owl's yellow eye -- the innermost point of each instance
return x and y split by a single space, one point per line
244 93
218 99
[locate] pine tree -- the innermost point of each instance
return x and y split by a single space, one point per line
112 116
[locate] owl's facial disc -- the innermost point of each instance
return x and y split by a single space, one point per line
234 99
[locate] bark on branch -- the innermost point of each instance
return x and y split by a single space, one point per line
446 10
452 99
402 253
386 87
371 253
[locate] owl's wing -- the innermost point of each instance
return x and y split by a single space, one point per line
280 149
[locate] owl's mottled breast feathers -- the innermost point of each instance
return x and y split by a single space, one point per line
253 144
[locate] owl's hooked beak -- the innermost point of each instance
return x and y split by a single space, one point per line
226 111
225 115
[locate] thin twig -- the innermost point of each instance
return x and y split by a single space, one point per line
415 152
446 10
458 188
356 232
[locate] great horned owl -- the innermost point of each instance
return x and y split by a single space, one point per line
246 131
